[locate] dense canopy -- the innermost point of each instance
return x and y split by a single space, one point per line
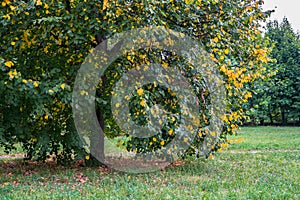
44 43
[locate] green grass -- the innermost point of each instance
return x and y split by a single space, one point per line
271 172
269 138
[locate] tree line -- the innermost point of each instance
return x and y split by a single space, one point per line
276 101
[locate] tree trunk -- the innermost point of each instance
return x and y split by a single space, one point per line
97 140
262 122
98 143
253 116
283 116
253 121
270 116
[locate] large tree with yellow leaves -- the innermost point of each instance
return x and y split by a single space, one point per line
43 44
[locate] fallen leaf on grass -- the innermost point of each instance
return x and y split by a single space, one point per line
8 174
79 177
58 180
27 173
104 170
15 183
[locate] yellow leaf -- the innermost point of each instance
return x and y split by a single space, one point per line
223 68
199 2
9 64
226 51
24 81
7 16
146 68
46 117
143 103
105 2
211 157
82 92
189 1
140 91
63 86
165 64
216 39
12 43
185 139
35 84
224 145
251 19
39 3
13 7
33 140
50 91
249 8
248 95
11 74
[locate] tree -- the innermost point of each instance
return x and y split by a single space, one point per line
44 43
279 96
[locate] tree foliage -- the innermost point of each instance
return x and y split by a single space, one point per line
277 100
43 44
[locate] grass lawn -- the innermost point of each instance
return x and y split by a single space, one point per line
265 165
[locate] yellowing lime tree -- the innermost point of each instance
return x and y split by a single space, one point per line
43 44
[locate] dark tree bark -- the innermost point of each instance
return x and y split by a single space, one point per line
97 139
262 122
270 116
283 116
97 155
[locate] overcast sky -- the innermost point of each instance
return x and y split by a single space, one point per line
288 8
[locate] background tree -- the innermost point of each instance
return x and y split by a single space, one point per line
277 99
